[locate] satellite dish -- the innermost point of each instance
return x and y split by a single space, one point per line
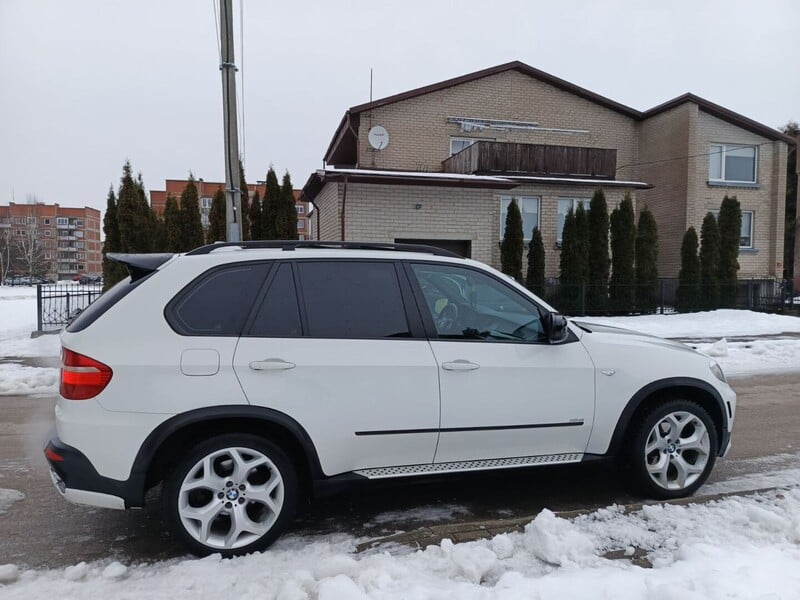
378 137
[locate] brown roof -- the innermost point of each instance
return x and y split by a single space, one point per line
342 148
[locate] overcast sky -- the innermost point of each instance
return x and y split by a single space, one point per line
87 84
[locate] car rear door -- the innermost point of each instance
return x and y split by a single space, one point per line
338 345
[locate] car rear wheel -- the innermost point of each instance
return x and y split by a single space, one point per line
673 450
232 494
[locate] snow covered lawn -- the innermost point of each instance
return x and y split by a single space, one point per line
746 547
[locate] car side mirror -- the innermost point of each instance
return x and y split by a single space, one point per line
556 327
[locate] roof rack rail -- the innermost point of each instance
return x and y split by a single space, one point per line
289 245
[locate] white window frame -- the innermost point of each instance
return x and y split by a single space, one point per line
575 202
206 201
457 138
752 214
79 245
19 221
301 210
79 223
301 224
47 233
526 235
721 153
62 221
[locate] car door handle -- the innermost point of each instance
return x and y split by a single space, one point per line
460 365
271 364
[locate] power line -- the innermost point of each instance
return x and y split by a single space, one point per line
216 30
663 160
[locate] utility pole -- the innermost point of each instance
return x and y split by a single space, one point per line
233 195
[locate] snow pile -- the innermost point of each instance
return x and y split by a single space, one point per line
16 380
709 324
758 356
8 497
18 320
733 548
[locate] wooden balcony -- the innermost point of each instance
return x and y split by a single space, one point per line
507 158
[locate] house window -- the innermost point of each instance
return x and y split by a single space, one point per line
20 232
748 221
62 221
47 221
300 209
205 202
301 237
79 223
457 144
204 220
80 255
78 234
19 221
48 255
47 233
80 267
79 244
529 207
732 163
301 224
564 206
31 220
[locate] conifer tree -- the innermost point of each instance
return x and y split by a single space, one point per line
173 232
216 219
147 217
582 241
133 214
571 278
512 244
534 279
269 206
687 295
647 261
623 248
245 216
112 271
159 233
286 213
709 263
191 225
256 219
730 231
597 293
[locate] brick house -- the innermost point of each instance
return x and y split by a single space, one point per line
444 161
68 238
206 191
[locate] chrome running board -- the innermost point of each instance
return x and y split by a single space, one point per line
468 465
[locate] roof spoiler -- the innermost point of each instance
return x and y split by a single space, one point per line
140 265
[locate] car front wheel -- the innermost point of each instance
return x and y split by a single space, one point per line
674 450
232 494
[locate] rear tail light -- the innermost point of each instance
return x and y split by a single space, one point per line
82 377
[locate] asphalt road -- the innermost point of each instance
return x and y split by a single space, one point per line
45 531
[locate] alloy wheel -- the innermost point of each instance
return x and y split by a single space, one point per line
677 450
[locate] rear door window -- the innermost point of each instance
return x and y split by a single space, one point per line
353 299
219 303
278 315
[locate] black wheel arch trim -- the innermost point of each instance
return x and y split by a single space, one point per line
165 430
665 384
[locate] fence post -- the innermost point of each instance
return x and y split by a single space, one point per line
68 295
661 296
750 294
39 307
583 298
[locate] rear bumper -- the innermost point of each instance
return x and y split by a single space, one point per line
76 479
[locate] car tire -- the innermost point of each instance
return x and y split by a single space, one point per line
232 494
673 450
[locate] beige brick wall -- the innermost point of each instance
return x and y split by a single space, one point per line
767 201
384 213
328 204
419 134
663 137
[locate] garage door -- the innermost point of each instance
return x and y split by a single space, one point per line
460 247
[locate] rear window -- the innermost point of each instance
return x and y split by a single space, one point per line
218 303
279 314
353 299
108 299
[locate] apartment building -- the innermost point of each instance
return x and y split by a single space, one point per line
440 165
206 191
68 239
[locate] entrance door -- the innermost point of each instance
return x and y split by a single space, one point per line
505 391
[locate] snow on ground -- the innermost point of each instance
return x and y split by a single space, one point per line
739 547
8 497
751 358
18 320
17 379
709 324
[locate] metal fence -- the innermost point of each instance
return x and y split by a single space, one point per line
57 304
774 295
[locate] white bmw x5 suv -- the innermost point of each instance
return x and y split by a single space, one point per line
245 376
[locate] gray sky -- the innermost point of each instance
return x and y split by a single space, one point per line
89 83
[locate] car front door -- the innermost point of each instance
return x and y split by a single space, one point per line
338 345
506 392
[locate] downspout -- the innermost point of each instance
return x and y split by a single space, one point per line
316 210
344 203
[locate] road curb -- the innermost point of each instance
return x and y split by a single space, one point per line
481 530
